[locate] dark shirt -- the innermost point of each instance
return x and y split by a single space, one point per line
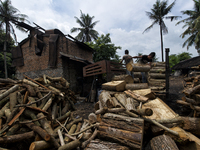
145 59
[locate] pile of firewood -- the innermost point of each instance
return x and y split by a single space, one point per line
33 112
127 117
191 91
156 76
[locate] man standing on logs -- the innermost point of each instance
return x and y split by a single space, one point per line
145 59
127 58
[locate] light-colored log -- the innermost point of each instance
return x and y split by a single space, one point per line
105 99
121 97
136 96
114 86
39 145
11 90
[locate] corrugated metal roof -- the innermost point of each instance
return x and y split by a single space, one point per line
187 64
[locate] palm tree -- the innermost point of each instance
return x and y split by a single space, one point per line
193 26
87 33
8 17
157 15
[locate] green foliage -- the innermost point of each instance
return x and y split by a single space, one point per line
175 59
104 49
8 17
86 31
158 14
192 22
10 45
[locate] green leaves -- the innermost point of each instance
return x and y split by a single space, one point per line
104 49
175 59
86 31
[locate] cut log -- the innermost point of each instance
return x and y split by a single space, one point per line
107 137
114 86
197 108
70 146
136 96
160 110
121 97
189 100
99 145
92 118
105 99
39 131
39 145
71 131
129 104
145 92
137 80
161 142
186 140
161 70
137 67
190 91
17 137
138 75
13 100
136 86
157 75
127 78
116 103
45 124
11 90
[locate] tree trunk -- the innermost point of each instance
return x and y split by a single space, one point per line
140 68
127 78
161 142
129 104
114 86
136 86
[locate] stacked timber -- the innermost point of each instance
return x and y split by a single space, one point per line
191 100
156 77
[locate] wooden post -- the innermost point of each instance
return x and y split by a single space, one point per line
167 72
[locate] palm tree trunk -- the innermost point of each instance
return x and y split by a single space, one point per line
5 48
161 37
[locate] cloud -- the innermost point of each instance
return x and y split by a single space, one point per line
125 20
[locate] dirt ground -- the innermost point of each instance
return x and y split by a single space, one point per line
176 85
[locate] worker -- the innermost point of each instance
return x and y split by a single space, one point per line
127 58
145 59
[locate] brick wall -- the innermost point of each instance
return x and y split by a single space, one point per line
35 66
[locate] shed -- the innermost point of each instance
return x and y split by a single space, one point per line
186 65
52 53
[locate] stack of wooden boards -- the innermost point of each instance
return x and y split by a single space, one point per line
191 100
156 77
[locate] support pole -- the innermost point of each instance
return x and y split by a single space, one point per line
167 72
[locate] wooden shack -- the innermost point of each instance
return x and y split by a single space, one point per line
52 53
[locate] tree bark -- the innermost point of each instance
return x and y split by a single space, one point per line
17 137
190 91
46 136
162 142
136 96
157 75
136 86
70 146
105 99
98 144
39 145
121 97
11 90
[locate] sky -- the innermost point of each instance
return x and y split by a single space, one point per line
124 20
